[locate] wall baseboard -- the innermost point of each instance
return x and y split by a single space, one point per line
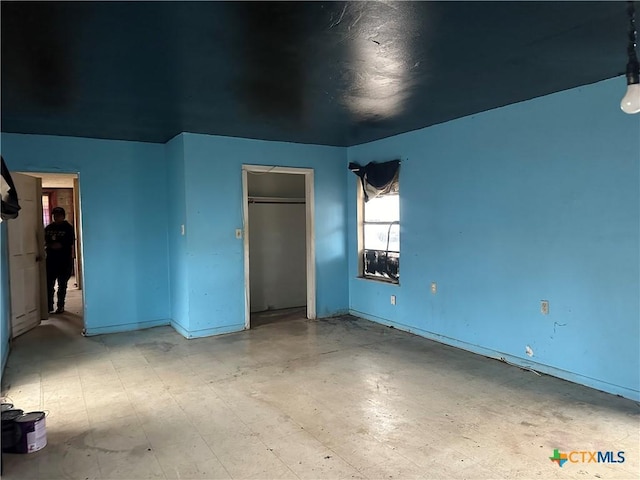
516 361
336 313
207 332
126 327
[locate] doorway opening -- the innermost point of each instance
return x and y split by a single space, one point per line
42 192
279 249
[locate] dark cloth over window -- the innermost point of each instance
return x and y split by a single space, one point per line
10 206
377 178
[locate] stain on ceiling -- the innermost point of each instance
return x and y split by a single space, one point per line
330 73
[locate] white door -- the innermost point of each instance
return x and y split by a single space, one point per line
25 244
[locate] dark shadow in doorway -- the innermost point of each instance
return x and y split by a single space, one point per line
267 317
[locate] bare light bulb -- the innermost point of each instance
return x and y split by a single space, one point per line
631 101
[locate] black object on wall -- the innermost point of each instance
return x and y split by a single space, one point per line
377 178
10 205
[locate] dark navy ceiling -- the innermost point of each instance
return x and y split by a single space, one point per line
338 73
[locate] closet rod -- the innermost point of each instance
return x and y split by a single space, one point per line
276 200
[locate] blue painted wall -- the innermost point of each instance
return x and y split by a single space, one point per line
178 272
214 257
5 313
139 270
124 216
538 200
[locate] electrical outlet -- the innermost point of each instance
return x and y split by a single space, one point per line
434 287
544 307
393 299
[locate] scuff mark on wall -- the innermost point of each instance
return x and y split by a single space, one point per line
556 324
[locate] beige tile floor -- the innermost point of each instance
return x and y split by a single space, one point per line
336 398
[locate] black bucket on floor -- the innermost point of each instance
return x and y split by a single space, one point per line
31 432
9 429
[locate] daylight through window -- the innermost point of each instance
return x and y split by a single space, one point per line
381 237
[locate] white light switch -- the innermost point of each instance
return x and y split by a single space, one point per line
238 233
182 229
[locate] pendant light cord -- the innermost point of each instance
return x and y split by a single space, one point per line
632 65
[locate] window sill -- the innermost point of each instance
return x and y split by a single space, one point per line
378 279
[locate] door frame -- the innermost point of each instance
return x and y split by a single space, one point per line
310 234
78 230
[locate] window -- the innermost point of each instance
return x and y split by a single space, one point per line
46 209
381 237
378 220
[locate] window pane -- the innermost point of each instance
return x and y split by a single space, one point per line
382 209
375 237
382 264
46 215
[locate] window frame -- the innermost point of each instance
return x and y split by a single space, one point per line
361 247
